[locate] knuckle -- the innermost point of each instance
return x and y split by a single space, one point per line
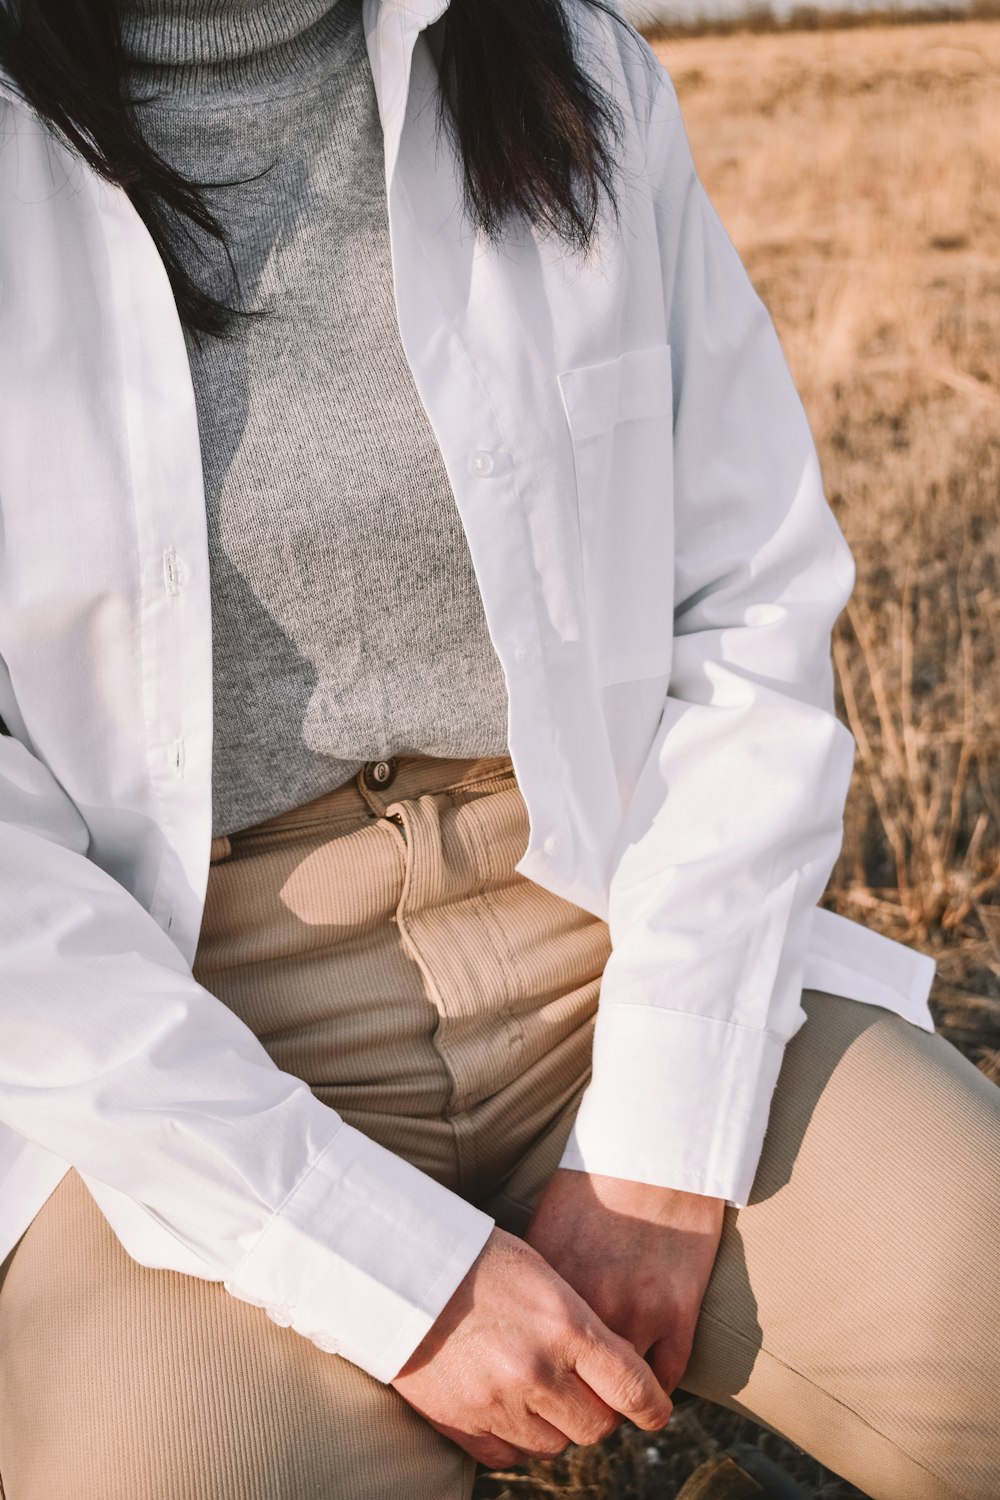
647 1408
631 1393
587 1338
554 1349
566 1327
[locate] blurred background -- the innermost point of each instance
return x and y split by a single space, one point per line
854 157
649 14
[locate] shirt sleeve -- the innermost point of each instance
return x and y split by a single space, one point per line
737 818
114 1058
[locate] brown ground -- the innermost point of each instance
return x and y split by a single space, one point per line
858 172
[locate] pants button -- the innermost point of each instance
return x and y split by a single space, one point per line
378 774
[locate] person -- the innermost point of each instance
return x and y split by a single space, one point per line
422 1046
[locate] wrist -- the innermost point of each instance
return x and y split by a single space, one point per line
643 1200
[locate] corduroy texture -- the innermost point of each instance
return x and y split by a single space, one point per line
440 1002
382 946
855 1300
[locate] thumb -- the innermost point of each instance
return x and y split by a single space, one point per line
626 1383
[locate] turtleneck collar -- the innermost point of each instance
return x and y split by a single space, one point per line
200 46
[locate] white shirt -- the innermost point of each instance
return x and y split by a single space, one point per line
660 573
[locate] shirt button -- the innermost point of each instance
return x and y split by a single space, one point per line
523 654
171 572
327 1344
552 844
481 463
280 1314
379 774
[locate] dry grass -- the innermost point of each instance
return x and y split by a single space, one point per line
760 16
858 172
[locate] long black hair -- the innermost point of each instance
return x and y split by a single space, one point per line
527 121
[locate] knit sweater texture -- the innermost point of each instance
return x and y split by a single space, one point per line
347 623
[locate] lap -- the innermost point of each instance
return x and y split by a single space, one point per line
851 1307
854 1301
136 1384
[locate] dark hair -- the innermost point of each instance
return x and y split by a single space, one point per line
524 116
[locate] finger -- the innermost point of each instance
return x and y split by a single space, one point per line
537 1437
576 1410
486 1449
492 1453
615 1373
669 1359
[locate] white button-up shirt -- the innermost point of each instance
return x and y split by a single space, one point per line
660 573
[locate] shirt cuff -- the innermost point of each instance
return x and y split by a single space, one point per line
363 1254
676 1100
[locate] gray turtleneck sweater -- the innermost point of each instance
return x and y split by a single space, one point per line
347 623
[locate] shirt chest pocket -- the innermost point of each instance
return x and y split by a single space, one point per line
620 415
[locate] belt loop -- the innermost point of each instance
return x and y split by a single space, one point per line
222 848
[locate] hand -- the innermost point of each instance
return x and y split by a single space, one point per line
518 1365
640 1256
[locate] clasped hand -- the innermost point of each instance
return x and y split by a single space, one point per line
556 1338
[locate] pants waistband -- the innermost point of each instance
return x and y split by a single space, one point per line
376 786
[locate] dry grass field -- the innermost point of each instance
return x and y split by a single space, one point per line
858 172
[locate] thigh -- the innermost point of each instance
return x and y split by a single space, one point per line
854 1302
129 1383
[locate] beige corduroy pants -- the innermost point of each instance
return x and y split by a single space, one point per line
382 946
